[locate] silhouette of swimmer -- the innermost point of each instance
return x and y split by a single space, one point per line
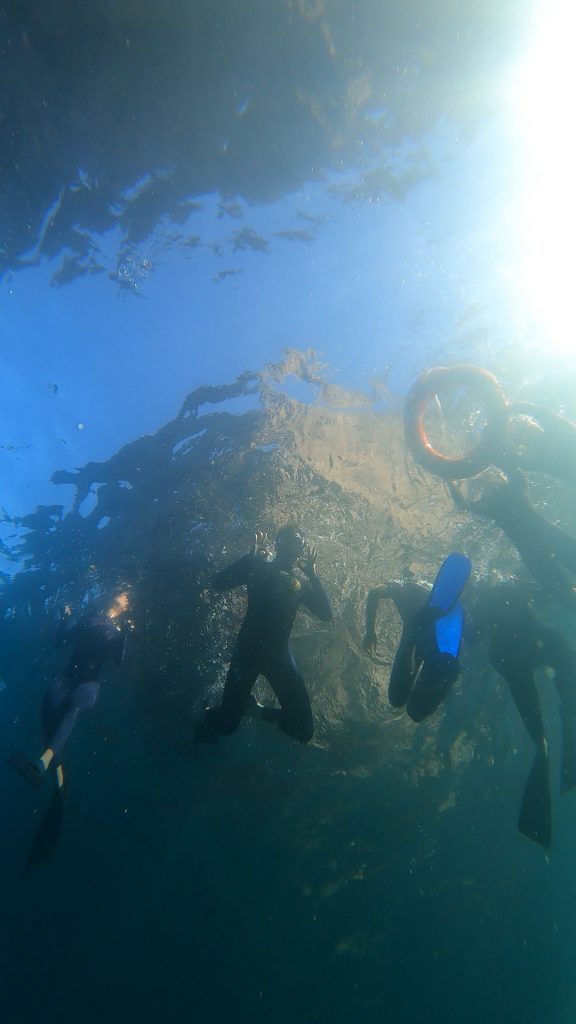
276 589
426 663
518 644
95 639
546 550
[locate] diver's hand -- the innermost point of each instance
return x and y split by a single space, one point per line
370 642
309 564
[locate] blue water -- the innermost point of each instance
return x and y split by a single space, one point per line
189 191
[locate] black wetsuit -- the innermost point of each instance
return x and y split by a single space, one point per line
421 676
274 596
96 639
546 550
518 644
409 598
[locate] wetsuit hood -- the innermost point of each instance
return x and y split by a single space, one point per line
289 546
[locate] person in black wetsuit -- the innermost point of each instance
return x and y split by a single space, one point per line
500 613
546 550
409 598
518 644
421 677
96 638
276 589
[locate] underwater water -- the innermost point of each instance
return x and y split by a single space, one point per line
233 236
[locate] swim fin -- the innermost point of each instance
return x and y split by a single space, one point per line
28 769
448 631
568 772
426 663
48 833
568 759
535 818
450 582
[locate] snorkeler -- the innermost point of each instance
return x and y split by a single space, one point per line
426 664
276 589
546 550
518 644
95 638
517 435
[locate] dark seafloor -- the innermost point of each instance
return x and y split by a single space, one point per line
375 874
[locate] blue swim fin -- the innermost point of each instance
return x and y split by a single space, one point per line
450 582
449 631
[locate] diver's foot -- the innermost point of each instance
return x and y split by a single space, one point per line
32 771
205 730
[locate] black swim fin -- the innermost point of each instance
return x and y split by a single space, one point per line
568 761
27 769
535 818
49 832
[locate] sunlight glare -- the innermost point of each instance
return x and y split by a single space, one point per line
542 109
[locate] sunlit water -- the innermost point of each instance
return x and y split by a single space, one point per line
187 193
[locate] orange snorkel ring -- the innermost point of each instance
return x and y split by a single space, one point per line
489 448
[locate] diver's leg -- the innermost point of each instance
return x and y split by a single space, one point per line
295 714
82 698
557 654
519 674
54 701
62 705
404 669
59 690
435 680
535 817
225 719
53 709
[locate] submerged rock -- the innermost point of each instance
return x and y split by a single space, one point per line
172 508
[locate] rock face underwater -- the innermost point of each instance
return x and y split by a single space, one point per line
296 871
164 513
